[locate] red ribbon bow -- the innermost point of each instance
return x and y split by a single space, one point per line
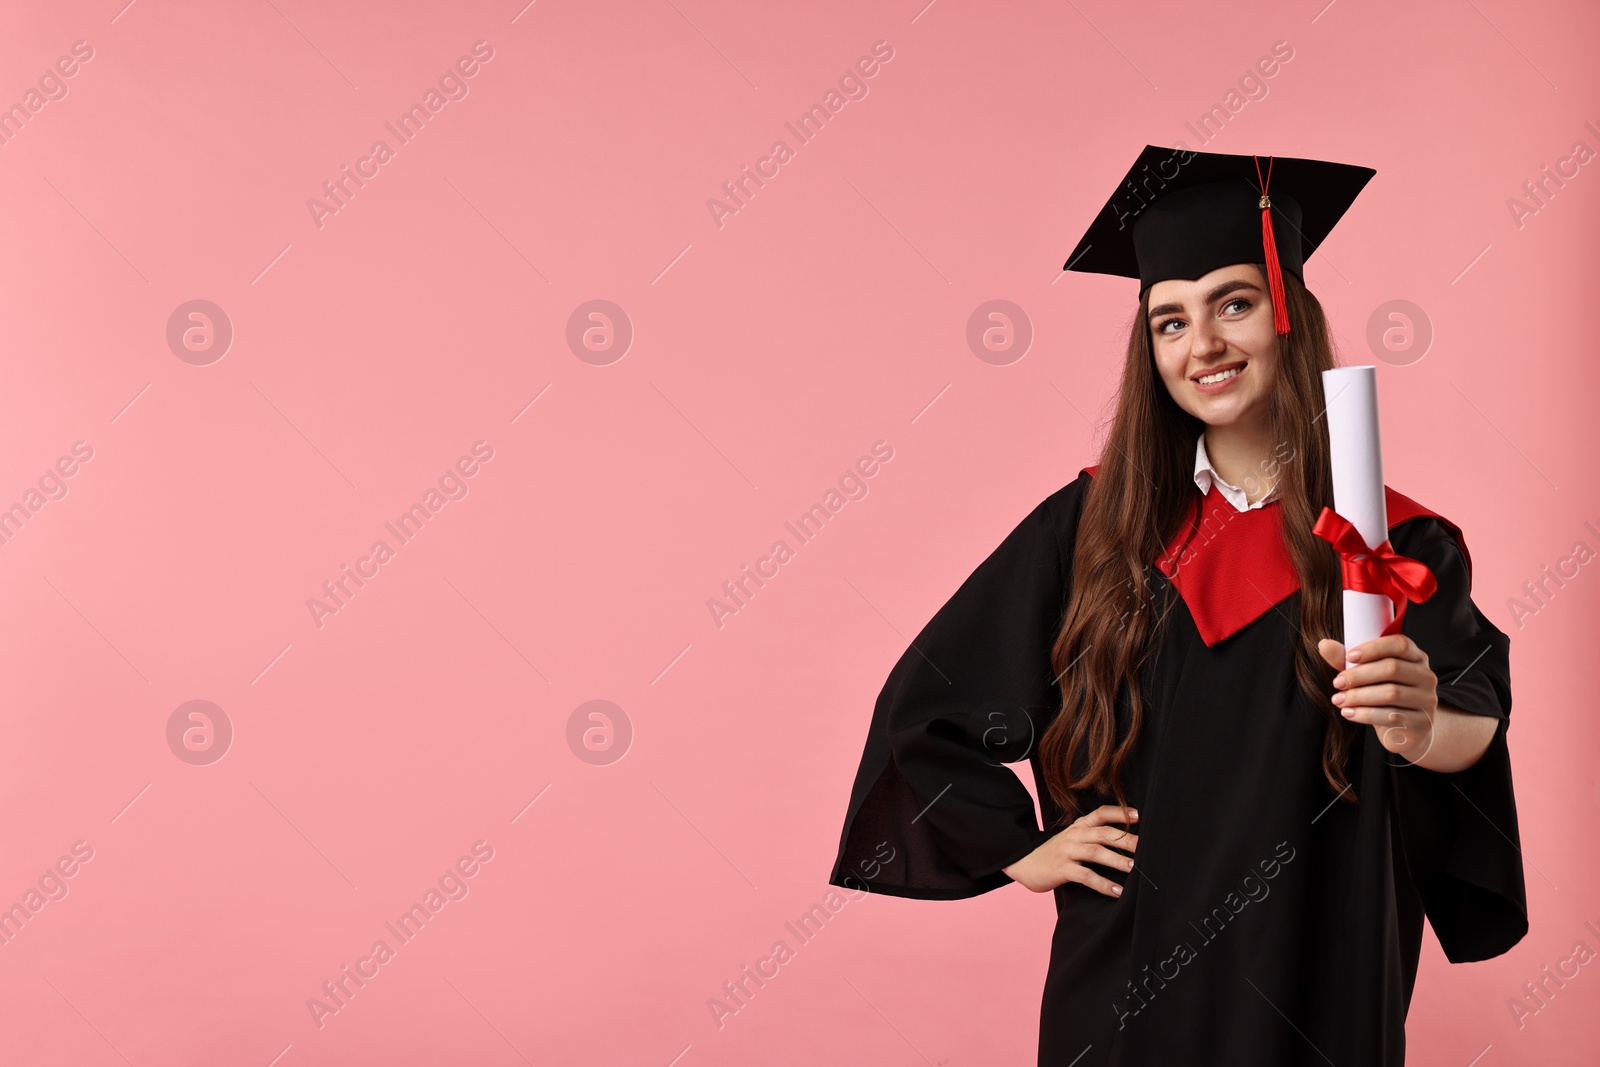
1379 570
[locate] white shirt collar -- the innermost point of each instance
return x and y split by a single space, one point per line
1205 476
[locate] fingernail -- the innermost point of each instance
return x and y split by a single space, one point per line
1117 889
1353 655
1348 712
1338 698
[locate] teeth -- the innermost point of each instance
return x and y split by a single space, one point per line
1221 376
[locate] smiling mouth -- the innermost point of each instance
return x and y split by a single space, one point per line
1227 370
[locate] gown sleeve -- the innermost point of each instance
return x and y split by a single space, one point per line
1459 830
934 813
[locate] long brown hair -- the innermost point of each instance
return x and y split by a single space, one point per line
1137 500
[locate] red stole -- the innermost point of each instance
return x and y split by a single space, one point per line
1236 567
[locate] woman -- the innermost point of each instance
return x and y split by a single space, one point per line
1242 831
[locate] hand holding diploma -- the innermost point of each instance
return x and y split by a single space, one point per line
1385 680
1388 685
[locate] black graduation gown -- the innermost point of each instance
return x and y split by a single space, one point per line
1263 923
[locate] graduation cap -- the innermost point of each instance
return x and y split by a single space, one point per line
1183 214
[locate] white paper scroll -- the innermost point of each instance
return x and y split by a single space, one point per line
1356 452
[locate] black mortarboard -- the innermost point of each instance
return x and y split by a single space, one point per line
1183 214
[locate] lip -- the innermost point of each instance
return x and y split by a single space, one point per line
1217 387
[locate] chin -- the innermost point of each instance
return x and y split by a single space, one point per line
1222 416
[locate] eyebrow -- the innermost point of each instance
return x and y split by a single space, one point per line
1212 297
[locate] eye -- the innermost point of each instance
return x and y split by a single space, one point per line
1169 322
1238 300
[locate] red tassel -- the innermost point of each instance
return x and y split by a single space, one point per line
1280 307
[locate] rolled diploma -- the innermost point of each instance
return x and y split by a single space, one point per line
1356 453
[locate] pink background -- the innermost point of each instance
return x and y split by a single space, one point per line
768 354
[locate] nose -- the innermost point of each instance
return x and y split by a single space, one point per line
1206 340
